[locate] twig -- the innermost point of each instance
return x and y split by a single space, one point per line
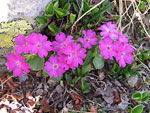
5 81
141 19
81 9
85 14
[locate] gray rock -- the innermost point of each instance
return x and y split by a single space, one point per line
13 9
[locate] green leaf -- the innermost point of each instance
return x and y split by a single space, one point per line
67 26
142 5
63 2
85 69
72 18
74 81
135 68
67 6
53 29
42 19
56 4
60 12
105 8
36 63
76 8
45 73
138 109
68 78
145 97
86 7
84 86
49 9
88 58
137 96
98 62
56 79
95 10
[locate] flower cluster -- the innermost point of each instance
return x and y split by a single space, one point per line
69 55
68 52
115 44
35 43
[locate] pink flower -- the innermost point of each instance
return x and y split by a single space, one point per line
61 41
73 55
38 44
89 39
16 63
107 48
21 44
109 30
124 54
122 38
54 67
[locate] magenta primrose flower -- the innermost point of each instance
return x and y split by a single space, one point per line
122 38
107 48
38 44
124 54
22 45
61 41
54 67
16 63
73 55
109 30
89 39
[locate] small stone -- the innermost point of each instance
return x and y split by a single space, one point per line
101 75
117 83
59 89
123 105
132 80
23 78
109 100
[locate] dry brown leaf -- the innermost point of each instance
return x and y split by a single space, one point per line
117 98
30 103
29 96
78 101
19 97
10 85
45 107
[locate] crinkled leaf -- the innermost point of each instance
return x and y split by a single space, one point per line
98 62
36 63
57 79
45 73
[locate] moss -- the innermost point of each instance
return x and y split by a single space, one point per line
9 30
